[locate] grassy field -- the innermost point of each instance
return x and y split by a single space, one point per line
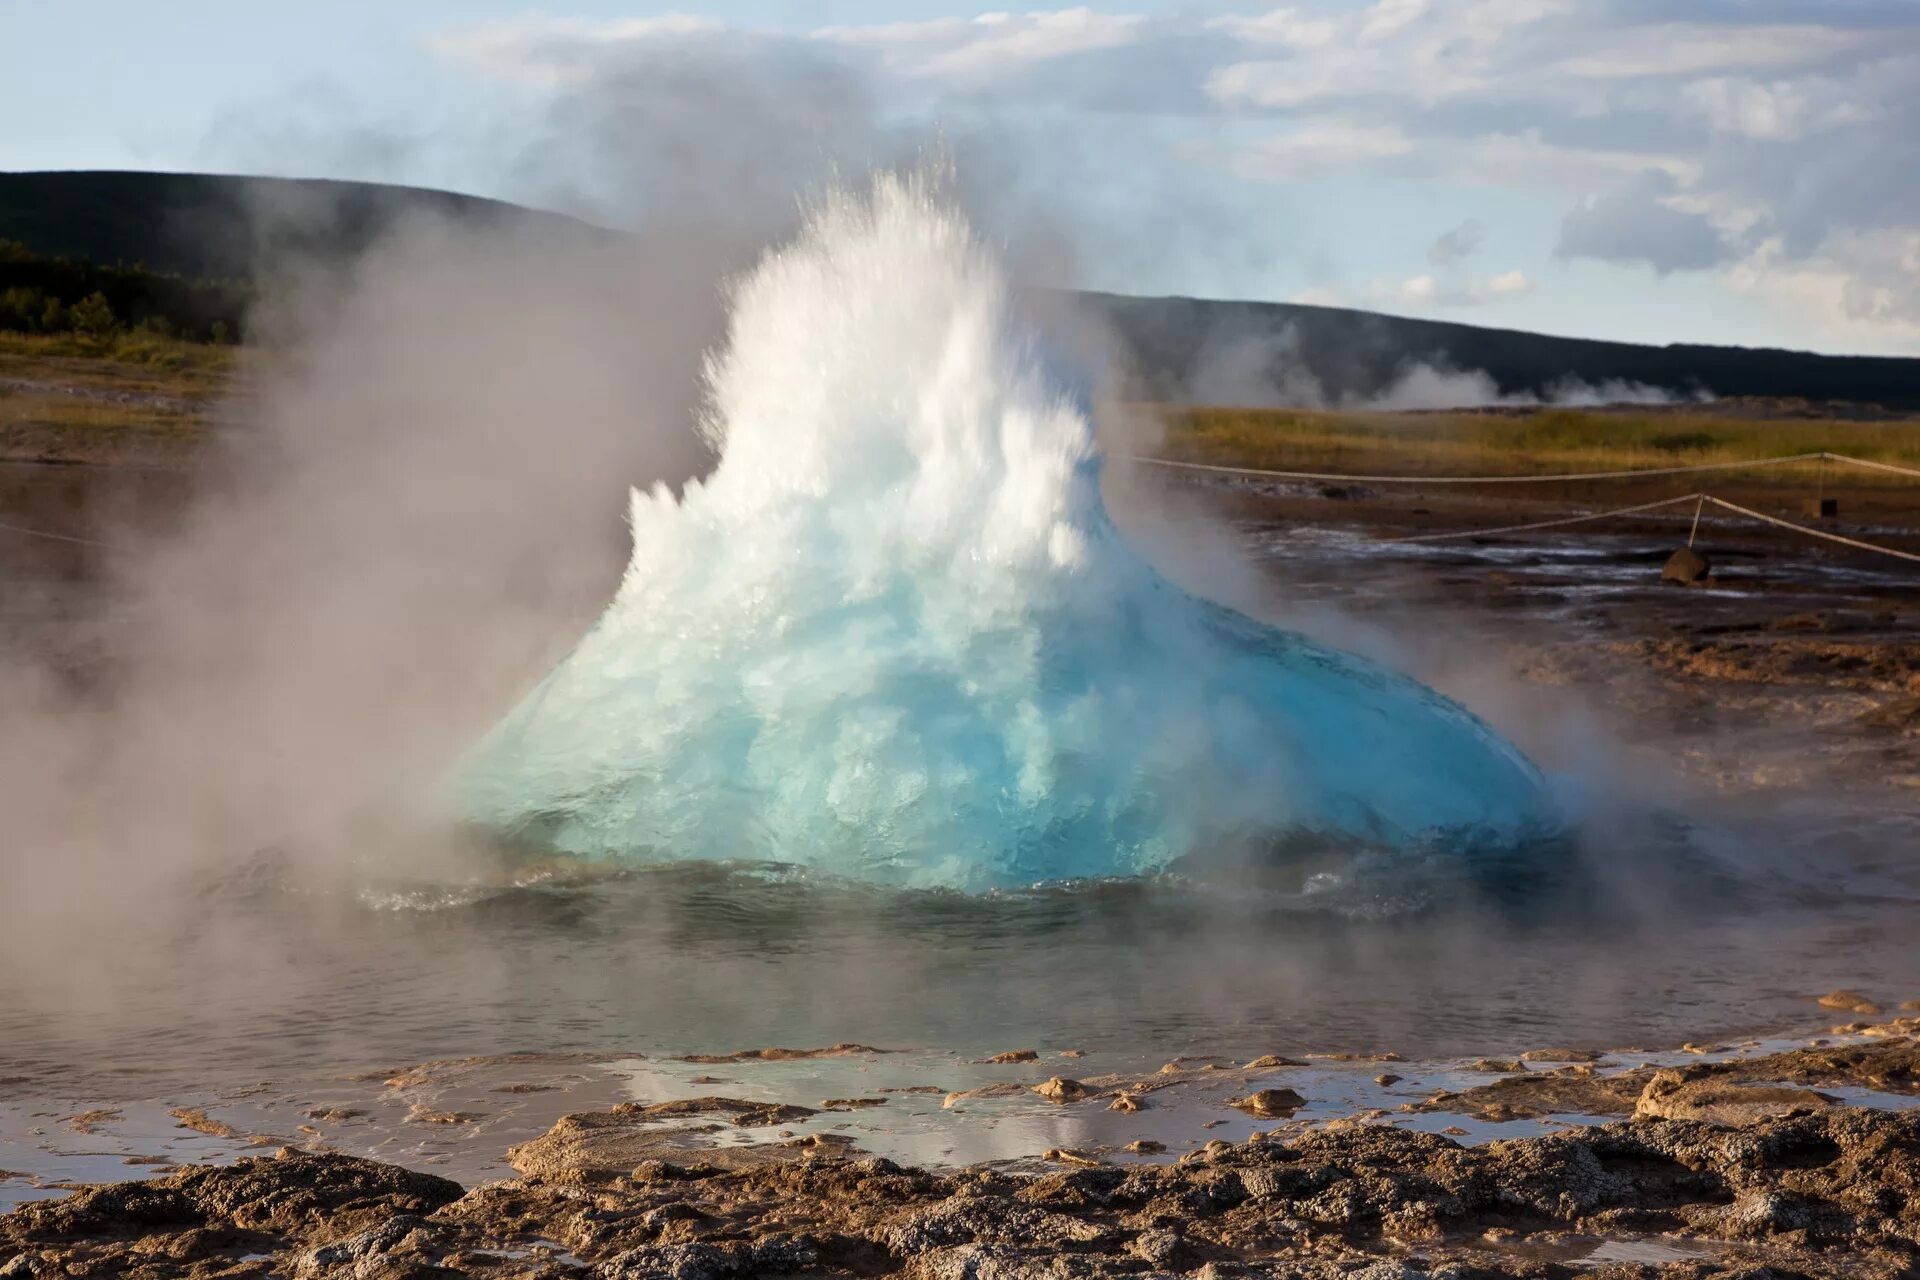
137 397
129 398
1549 440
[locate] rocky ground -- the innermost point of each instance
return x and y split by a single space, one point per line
1721 1169
1754 1167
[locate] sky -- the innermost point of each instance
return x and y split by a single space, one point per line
1727 171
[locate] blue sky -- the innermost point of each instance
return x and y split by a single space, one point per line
1722 170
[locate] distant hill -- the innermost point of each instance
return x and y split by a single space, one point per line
211 226
202 226
1360 353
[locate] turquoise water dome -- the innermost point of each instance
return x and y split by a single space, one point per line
894 635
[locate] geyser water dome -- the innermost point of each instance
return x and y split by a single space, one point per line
894 635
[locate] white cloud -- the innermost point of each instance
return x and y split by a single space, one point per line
989 44
1688 137
1427 290
1864 289
1771 112
1319 296
558 52
1695 49
1321 148
1510 284
1279 27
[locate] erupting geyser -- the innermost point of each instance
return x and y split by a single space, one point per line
894 636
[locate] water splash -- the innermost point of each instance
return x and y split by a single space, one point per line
894 635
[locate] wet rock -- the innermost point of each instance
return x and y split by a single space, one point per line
777 1054
1268 1061
1126 1102
1707 1096
1829 1194
1060 1089
200 1122
1006 1089
675 1262
1543 1093
979 1220
1560 1055
1685 567
597 1145
1495 1066
1386 1079
1014 1055
1850 1001
1159 1246
426 1115
1067 1155
750 1115
1269 1103
404 1244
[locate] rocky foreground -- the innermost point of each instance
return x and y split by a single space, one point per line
1723 1170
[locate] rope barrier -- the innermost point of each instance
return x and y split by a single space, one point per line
1877 466
53 537
1549 478
1553 524
1814 533
1701 498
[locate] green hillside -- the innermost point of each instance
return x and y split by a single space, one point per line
211 226
190 247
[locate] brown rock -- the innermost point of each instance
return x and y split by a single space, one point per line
1685 567
1014 1055
1126 1102
1687 1093
597 1145
1067 1155
1268 1061
1269 1103
1061 1089
1560 1055
426 1115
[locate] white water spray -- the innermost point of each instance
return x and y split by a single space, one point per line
894 636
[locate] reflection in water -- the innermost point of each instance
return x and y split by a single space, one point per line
1652 934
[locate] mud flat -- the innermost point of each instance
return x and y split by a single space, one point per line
1741 1166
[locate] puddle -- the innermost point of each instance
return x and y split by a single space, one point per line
1652 1252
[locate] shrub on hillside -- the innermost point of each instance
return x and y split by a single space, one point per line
93 316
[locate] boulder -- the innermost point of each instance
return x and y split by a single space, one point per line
1686 567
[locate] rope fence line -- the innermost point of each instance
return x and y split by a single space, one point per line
54 537
1812 532
1701 498
1545 478
1583 518
1877 466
